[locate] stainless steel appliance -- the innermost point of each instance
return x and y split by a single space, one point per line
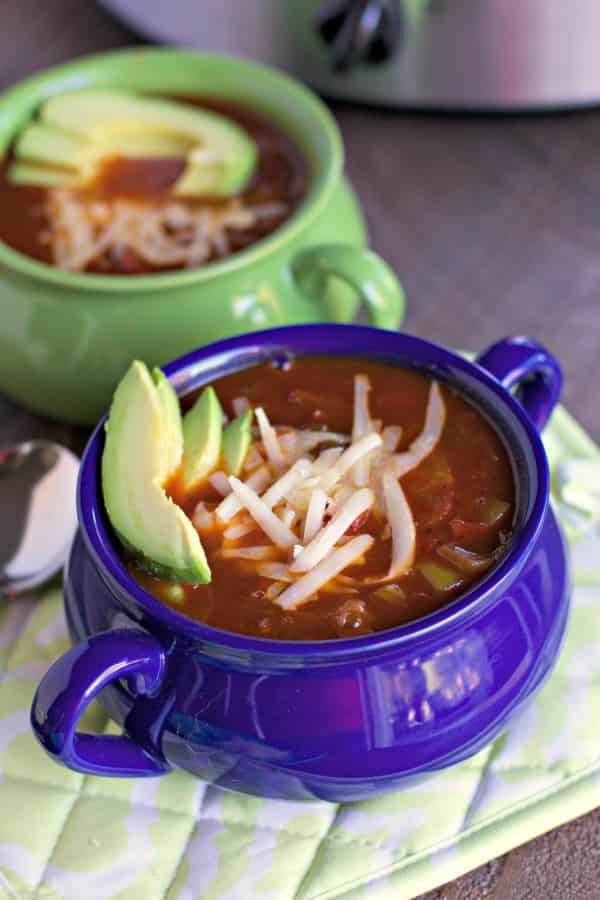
467 54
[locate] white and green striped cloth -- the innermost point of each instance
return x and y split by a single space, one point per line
63 835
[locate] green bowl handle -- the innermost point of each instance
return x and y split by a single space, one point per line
372 279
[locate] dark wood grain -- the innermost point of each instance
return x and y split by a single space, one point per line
494 227
493 224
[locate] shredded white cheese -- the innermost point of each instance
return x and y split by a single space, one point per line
342 557
258 552
254 459
235 532
309 507
284 485
422 446
328 536
220 483
230 506
273 527
362 425
314 514
177 233
202 518
288 516
391 437
339 495
274 590
402 524
348 458
276 571
326 459
308 440
240 405
270 441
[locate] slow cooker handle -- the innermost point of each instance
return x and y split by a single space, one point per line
360 31
72 683
525 364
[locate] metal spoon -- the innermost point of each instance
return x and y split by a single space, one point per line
37 512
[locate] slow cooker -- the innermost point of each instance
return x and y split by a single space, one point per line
454 54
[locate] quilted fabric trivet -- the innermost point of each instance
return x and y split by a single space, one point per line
66 836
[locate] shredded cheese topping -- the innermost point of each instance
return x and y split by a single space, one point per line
177 233
270 441
273 527
402 526
326 539
422 446
314 514
310 502
362 426
328 568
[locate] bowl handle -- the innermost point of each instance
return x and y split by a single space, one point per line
525 364
70 685
368 274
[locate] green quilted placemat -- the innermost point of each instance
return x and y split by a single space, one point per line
66 836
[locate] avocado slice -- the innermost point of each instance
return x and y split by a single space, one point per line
41 176
173 430
202 434
76 130
50 147
142 448
42 144
237 437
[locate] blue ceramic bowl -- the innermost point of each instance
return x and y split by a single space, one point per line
338 720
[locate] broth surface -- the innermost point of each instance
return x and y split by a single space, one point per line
448 494
280 177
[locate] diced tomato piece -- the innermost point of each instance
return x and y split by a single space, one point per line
358 522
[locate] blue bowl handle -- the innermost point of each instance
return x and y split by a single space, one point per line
73 682
525 364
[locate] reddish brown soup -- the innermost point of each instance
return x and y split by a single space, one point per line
450 494
280 182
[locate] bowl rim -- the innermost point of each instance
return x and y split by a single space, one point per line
100 543
40 86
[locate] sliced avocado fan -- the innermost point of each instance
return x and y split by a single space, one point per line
172 436
237 437
143 448
202 438
77 130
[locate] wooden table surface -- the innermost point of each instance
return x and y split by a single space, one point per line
493 225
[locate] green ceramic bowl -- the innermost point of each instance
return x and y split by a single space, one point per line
66 338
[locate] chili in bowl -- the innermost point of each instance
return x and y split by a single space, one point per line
348 574
157 198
